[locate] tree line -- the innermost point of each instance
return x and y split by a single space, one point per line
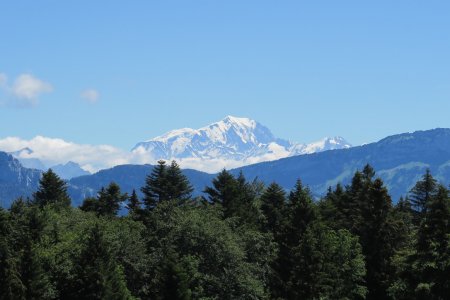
242 240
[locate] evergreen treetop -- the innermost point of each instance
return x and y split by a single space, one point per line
52 190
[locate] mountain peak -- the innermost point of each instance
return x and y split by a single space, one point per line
230 142
245 122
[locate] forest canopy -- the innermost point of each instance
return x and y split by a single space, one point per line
241 240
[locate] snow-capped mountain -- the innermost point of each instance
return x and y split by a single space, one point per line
232 141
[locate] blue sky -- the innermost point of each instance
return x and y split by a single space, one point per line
305 70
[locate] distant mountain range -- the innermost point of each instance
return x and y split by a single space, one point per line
400 160
230 142
66 171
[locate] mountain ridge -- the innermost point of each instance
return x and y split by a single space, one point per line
400 160
241 140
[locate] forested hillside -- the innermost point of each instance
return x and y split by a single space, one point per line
245 240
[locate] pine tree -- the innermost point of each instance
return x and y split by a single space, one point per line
356 202
98 276
33 276
245 204
134 205
107 203
365 209
327 265
273 202
155 189
422 192
404 215
11 286
377 240
225 191
331 207
52 190
236 196
178 186
90 204
301 212
165 184
110 200
432 258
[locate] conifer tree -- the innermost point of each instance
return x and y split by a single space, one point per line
236 196
225 191
33 276
356 202
155 189
327 265
11 286
366 210
110 200
166 183
98 275
332 207
376 238
134 205
301 212
422 192
245 205
90 204
432 258
52 190
273 202
178 186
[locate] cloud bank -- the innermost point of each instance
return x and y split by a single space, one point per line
52 151
92 158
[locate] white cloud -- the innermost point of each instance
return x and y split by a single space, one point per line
25 90
28 88
52 151
90 95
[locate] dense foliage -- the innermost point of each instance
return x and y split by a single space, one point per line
241 241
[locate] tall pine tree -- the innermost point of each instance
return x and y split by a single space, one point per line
273 202
52 190
422 192
134 205
178 186
166 183
431 263
155 189
110 200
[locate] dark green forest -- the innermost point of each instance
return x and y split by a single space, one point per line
242 240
